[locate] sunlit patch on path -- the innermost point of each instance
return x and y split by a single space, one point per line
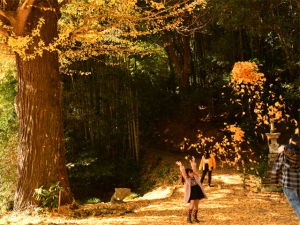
228 203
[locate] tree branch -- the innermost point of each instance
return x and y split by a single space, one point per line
79 29
5 15
20 20
2 13
4 33
64 2
26 4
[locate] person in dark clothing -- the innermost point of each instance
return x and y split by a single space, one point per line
286 171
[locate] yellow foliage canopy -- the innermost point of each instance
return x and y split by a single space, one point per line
94 27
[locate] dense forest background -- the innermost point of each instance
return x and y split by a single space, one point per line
177 97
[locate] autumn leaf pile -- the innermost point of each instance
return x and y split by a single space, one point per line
228 203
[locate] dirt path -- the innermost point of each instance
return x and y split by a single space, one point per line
227 203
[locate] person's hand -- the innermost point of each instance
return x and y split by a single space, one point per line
179 163
193 159
281 149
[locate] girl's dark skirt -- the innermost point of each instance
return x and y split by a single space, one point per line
196 193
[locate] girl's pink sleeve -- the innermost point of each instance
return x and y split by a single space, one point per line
194 166
182 170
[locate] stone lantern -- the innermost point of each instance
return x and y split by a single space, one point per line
272 140
273 152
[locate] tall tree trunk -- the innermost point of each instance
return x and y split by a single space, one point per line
41 151
186 60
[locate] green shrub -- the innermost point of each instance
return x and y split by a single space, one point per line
132 196
48 198
93 201
8 141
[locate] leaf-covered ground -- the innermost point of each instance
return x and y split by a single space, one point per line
228 202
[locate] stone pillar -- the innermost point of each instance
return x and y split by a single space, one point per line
273 149
119 195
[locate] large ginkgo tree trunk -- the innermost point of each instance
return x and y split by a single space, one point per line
41 156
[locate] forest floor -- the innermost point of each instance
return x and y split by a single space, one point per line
228 203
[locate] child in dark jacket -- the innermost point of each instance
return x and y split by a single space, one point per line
193 190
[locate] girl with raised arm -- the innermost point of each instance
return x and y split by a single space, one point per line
193 190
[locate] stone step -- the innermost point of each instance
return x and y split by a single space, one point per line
266 180
271 188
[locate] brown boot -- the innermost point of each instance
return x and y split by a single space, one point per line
189 219
195 216
196 220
